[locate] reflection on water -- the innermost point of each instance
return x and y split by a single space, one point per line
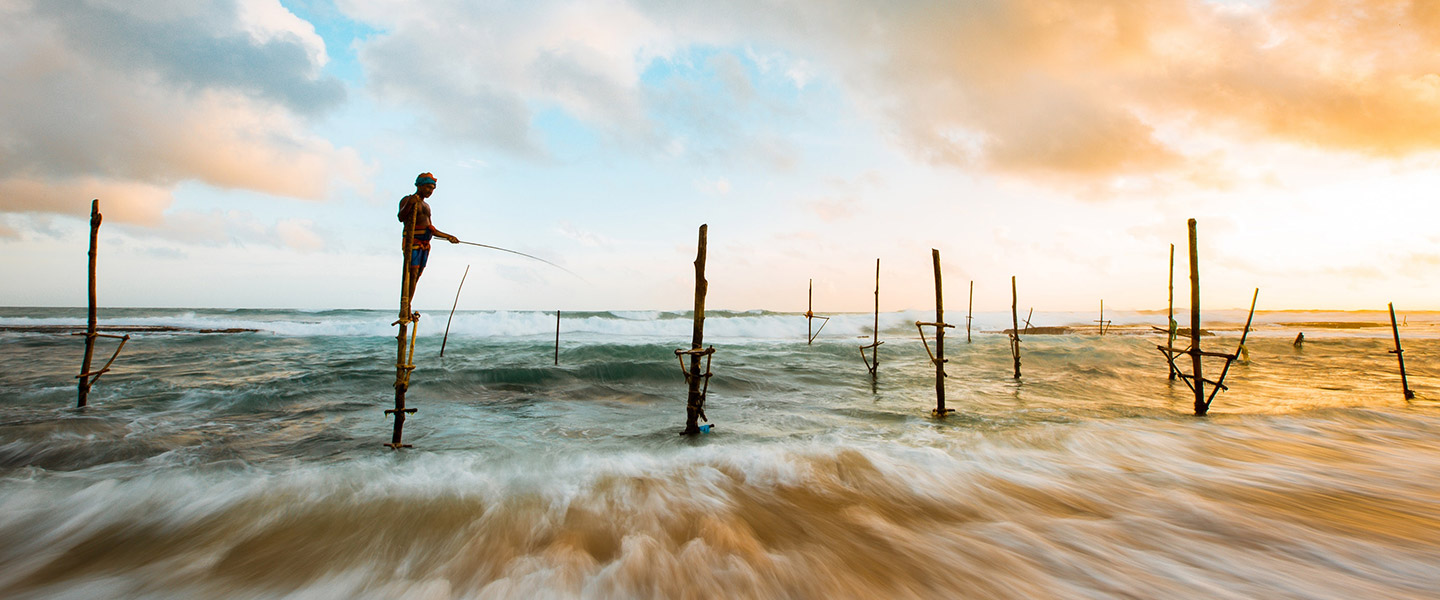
250 466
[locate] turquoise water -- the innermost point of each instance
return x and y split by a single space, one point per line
250 464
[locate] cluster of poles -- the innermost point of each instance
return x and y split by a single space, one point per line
695 361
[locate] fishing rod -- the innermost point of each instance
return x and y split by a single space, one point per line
521 254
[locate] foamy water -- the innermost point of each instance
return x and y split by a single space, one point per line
250 466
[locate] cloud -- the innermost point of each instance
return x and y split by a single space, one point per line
1055 90
123 101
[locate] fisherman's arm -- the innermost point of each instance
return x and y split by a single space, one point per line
441 234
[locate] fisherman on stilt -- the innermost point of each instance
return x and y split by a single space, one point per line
415 214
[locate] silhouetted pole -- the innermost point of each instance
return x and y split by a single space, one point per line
695 402
557 338
970 311
90 333
1201 406
1170 325
446 337
810 315
1015 326
874 365
1400 355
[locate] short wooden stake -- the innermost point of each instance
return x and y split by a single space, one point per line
695 401
1015 326
938 356
1400 355
873 364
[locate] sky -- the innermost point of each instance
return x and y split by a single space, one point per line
251 153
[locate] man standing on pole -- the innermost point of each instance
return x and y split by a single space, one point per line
415 214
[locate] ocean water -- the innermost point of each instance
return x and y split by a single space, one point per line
251 465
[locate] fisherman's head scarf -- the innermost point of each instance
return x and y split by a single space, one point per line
423 179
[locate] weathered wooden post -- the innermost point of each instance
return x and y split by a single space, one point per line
557 338
1102 320
446 337
938 356
873 364
87 378
1400 355
1197 380
1015 326
404 362
695 401
970 311
84 377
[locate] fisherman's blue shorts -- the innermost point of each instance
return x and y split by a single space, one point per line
418 258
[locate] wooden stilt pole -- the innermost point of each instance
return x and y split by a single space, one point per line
1400 355
873 362
970 311
1171 325
810 316
1102 320
695 402
557 338
938 356
404 362
446 338
1197 381
1015 326
84 377
1027 320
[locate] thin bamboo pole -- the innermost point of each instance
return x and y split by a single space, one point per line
90 334
695 402
1170 324
1198 381
1015 326
1240 350
446 338
1400 355
810 315
557 338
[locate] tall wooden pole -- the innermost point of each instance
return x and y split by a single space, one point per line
970 311
1102 316
403 364
1201 406
1015 326
85 379
940 409
1400 355
875 341
810 315
695 402
1170 324
557 338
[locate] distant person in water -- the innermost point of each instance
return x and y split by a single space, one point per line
421 229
